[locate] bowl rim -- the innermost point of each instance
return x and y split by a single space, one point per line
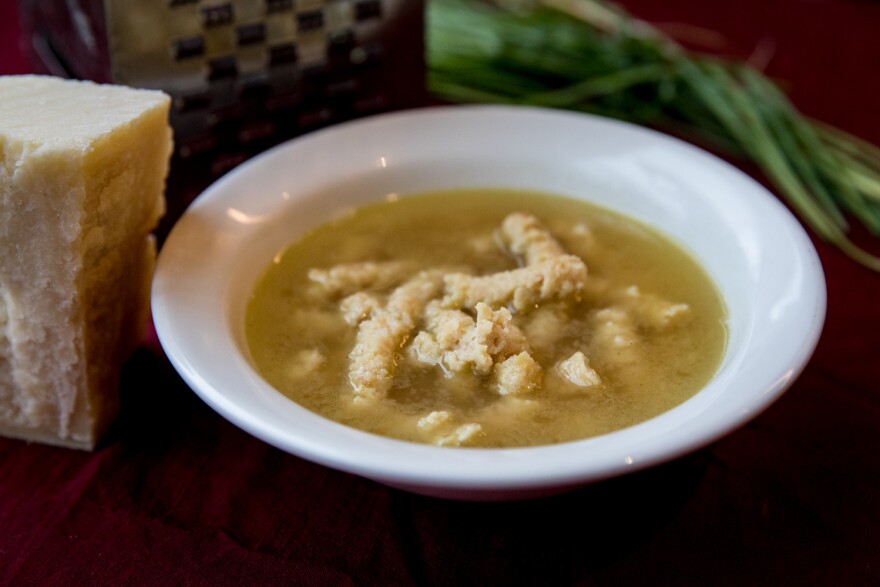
411 465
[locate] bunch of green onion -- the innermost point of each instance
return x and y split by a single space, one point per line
591 56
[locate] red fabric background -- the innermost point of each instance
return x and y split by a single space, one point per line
179 496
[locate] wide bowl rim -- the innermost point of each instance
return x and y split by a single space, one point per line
442 470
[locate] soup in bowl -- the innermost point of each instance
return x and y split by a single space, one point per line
488 302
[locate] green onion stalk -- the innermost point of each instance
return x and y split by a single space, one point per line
591 56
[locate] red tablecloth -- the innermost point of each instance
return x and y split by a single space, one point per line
179 496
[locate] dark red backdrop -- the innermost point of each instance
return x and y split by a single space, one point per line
177 495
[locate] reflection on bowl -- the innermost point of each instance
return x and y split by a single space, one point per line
754 250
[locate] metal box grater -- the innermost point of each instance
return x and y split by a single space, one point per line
244 74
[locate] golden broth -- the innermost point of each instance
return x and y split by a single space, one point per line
637 278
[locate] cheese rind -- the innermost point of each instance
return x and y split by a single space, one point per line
82 177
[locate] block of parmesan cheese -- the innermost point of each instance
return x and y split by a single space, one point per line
82 179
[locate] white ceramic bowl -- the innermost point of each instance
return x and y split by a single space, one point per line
754 249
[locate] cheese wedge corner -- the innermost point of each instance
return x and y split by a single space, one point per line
82 178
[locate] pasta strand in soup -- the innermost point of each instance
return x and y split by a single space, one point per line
486 318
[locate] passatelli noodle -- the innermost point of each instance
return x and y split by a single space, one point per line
520 320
